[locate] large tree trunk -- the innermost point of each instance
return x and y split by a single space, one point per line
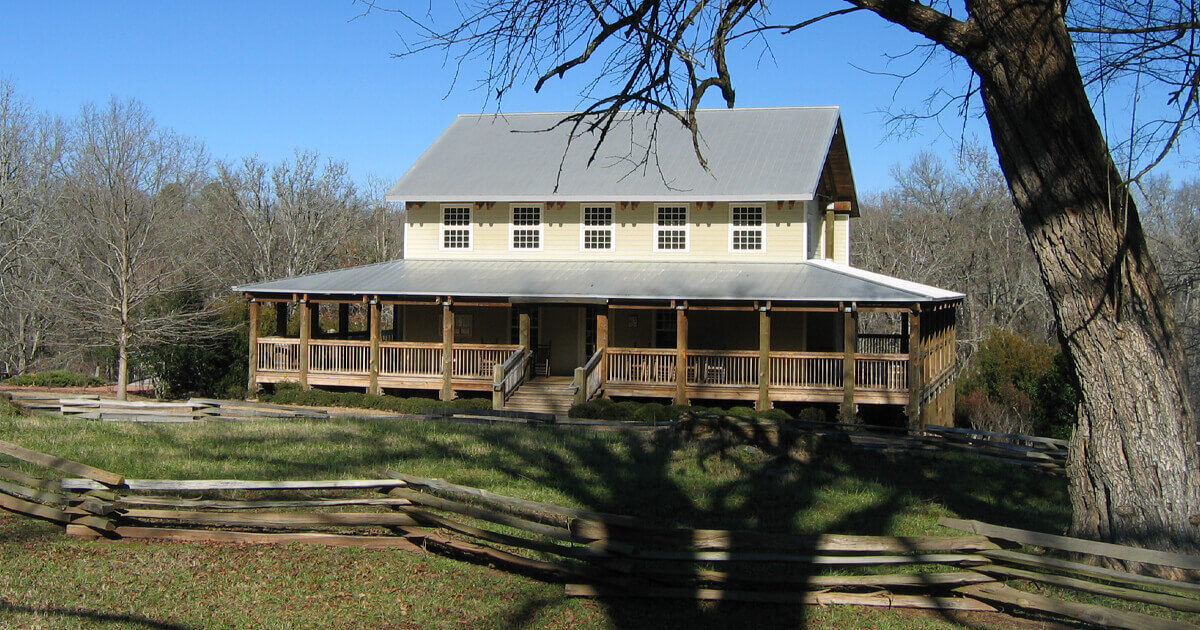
1134 468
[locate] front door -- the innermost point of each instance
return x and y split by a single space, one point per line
562 329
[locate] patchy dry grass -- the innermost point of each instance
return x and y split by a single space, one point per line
48 580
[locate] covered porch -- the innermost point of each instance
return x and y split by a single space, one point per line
819 346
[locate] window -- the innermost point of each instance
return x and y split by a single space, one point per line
671 229
746 228
597 228
525 229
456 227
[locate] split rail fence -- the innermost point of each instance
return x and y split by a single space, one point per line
606 555
93 407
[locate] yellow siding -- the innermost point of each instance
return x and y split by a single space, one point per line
786 234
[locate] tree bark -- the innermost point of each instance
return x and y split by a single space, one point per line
1134 468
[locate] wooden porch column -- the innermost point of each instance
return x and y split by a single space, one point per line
829 233
447 392
281 319
343 321
914 367
849 343
681 354
524 329
252 380
602 342
524 334
306 324
764 359
375 311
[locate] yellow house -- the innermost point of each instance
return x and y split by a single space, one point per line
547 266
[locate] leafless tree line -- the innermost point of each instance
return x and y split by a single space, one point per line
107 218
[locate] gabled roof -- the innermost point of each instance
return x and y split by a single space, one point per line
809 281
753 154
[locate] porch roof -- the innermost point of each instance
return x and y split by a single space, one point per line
808 281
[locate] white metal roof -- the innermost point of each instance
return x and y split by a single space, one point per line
753 154
816 281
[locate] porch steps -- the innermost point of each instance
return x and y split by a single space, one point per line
543 395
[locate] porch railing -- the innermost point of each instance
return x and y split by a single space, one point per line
625 366
477 360
887 373
509 375
641 366
723 367
339 357
398 358
278 355
876 343
588 378
806 369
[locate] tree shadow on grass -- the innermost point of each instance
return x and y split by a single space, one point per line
667 484
94 616
664 482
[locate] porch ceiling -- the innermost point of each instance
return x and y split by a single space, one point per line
809 281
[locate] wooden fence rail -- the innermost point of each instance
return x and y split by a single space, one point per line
598 554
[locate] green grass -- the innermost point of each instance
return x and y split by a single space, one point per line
48 580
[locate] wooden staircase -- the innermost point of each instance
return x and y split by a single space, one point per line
549 394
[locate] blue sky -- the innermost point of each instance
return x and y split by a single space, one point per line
269 77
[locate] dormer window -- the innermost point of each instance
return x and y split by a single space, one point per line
597 228
525 229
456 227
671 229
746 229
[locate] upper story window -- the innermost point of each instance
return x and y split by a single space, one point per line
746 232
597 226
456 227
671 228
525 229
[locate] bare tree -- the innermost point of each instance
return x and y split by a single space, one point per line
290 219
1134 467
1173 228
956 228
30 180
123 249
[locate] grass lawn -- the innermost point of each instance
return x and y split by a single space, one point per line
49 580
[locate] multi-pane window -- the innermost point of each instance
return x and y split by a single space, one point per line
746 228
456 227
598 227
526 227
671 228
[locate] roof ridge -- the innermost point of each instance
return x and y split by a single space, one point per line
634 111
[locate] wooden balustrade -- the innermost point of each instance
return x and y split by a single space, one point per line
276 354
723 367
644 366
340 356
806 369
873 372
509 375
875 343
398 358
881 372
476 360
595 378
